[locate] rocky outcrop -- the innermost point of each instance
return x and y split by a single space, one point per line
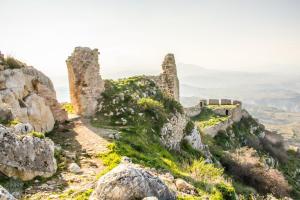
194 139
172 132
85 81
128 181
28 95
5 195
24 156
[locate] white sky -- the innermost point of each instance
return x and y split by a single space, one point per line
135 35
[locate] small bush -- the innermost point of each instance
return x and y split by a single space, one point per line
189 127
228 192
37 134
149 104
246 165
14 122
68 107
13 63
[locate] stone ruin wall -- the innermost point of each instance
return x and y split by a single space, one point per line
196 110
168 80
85 82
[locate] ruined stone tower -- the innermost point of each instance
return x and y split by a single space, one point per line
168 78
85 81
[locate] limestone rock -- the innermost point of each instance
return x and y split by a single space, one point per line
25 157
173 131
21 98
127 181
23 128
74 168
39 114
194 139
5 195
183 186
85 81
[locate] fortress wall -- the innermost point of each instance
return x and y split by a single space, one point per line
226 102
213 102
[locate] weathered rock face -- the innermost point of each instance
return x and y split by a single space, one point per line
127 181
173 132
25 156
85 81
22 98
5 195
194 139
169 79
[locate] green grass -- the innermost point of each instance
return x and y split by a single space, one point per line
146 109
208 118
37 134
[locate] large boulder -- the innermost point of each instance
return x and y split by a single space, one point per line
129 182
25 157
28 95
85 81
5 195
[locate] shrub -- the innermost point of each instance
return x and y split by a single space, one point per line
246 165
228 192
189 127
68 107
13 63
149 104
205 172
14 122
37 134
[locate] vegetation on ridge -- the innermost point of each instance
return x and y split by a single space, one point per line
137 108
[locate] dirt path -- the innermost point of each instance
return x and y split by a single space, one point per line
80 143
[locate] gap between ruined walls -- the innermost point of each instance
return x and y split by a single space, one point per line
86 84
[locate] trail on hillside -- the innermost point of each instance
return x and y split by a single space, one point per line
80 143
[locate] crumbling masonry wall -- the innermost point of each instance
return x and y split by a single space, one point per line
85 81
168 80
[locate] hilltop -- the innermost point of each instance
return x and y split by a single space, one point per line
132 139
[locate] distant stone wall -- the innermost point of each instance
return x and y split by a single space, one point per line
193 111
168 80
223 102
85 81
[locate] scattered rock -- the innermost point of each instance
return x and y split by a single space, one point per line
130 182
74 168
23 128
150 198
5 195
183 186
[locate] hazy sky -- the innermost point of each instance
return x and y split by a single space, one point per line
135 35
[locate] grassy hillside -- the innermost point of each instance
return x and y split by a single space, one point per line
137 109
251 160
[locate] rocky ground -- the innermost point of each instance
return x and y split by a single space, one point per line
80 143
